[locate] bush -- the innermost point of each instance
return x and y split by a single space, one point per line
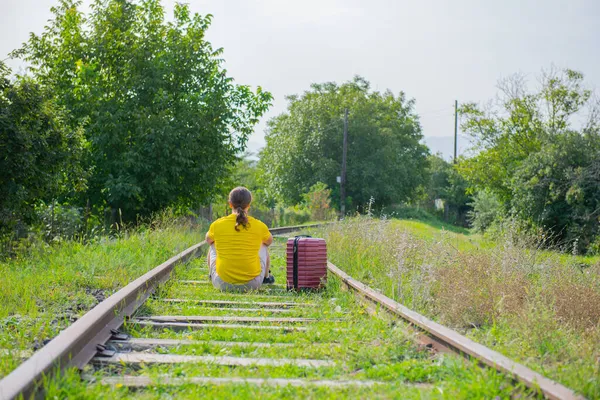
59 221
40 155
594 248
282 216
318 202
293 216
543 166
268 216
446 184
486 209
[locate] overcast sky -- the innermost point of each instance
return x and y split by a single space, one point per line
433 50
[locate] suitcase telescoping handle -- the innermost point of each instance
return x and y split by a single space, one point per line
295 253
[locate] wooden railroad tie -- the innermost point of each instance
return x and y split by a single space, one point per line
143 381
263 296
182 326
154 358
227 318
252 310
226 303
139 344
274 287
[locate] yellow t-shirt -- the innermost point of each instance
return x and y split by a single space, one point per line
237 252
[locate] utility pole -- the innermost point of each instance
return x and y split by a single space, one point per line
343 177
455 127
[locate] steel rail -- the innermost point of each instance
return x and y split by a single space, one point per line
451 339
76 345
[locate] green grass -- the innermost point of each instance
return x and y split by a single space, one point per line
363 346
461 238
44 291
535 306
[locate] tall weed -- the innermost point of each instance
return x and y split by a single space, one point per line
538 306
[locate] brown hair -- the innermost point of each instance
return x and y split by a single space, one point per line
240 198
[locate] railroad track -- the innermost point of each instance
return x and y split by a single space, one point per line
181 334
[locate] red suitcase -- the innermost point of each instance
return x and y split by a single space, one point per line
306 262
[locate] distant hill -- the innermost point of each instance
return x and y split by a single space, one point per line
445 145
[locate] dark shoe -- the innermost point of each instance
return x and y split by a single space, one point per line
269 280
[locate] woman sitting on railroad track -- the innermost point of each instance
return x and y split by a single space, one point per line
238 259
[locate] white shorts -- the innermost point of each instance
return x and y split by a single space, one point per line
263 254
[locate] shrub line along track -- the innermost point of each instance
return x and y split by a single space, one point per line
78 344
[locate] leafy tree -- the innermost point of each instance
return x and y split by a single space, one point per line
558 188
448 185
245 173
164 120
486 210
536 159
40 155
304 145
507 135
318 201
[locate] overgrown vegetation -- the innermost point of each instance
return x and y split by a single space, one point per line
40 154
361 346
537 157
46 288
538 307
445 193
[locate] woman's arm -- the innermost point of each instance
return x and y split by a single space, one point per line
209 240
268 241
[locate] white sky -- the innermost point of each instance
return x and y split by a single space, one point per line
434 50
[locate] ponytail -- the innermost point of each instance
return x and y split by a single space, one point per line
240 198
241 219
